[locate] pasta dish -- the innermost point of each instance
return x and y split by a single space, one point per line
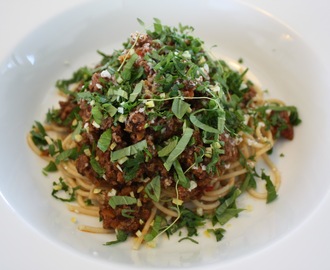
160 137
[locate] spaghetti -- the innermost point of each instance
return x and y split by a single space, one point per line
160 136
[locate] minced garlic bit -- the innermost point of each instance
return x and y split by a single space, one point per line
150 104
78 137
87 152
138 203
48 140
96 125
57 187
207 233
152 243
105 74
177 201
119 168
112 192
199 211
138 233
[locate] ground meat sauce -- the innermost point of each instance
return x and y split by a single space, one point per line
153 124
283 127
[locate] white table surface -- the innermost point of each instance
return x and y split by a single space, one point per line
308 247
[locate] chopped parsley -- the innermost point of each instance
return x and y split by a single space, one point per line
121 237
61 191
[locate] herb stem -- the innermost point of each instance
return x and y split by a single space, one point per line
128 52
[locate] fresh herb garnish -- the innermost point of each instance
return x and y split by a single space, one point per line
179 148
104 140
65 155
188 238
61 191
128 151
114 201
163 120
155 229
153 189
271 191
218 233
51 167
121 237
227 208
96 166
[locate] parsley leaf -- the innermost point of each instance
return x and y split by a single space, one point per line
165 151
132 166
104 140
129 150
271 190
179 148
38 135
180 107
179 176
137 90
114 201
51 167
155 229
153 189
121 237
227 209
62 187
219 233
197 120
71 153
190 220
96 166
125 213
97 114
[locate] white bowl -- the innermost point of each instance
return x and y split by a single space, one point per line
279 61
